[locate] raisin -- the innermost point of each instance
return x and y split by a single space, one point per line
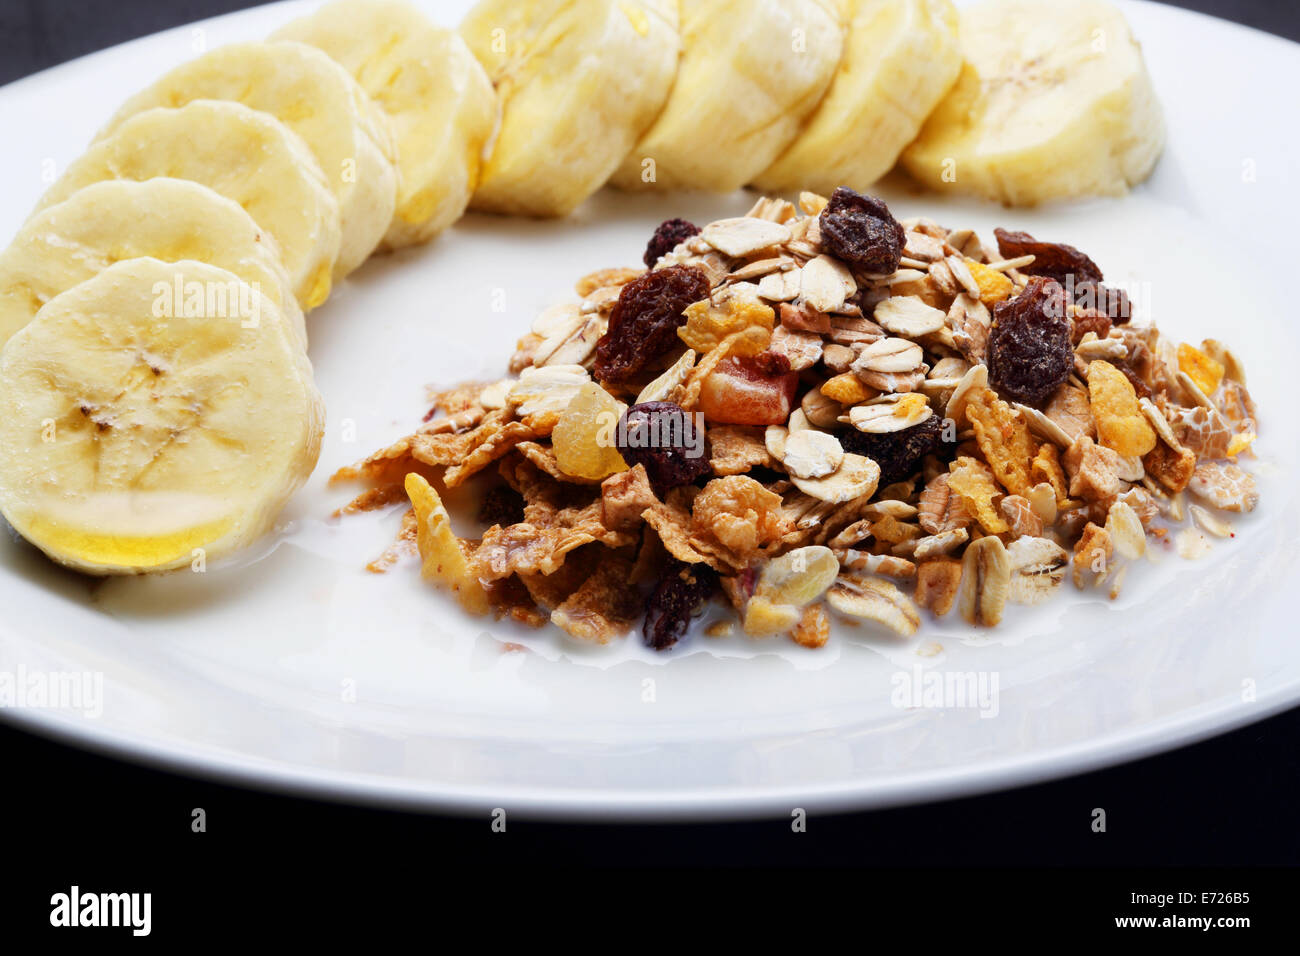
666 237
644 321
897 453
501 505
1139 386
1055 260
667 441
1094 296
859 230
1029 350
1090 321
679 596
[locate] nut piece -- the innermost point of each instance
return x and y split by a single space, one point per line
1037 569
857 477
908 315
743 235
985 581
889 355
812 454
890 413
937 583
874 599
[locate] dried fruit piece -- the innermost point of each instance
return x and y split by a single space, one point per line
666 237
874 599
678 596
798 577
1055 260
749 390
665 439
1093 297
584 438
502 505
937 583
1121 425
1029 349
859 230
1206 372
708 324
643 324
985 581
898 454
1037 567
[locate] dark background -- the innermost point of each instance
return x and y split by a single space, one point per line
1228 801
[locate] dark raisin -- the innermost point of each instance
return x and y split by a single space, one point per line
1055 260
666 237
667 441
1029 350
1139 386
501 505
858 229
679 596
1089 321
1094 296
644 321
897 453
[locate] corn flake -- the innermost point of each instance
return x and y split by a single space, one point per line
1121 426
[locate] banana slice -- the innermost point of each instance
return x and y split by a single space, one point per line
243 154
900 58
167 219
1054 103
579 81
750 71
137 440
318 100
440 103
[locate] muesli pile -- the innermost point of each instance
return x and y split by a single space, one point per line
819 406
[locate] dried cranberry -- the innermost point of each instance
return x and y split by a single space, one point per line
858 229
666 238
1055 260
501 505
897 453
643 324
1029 350
1094 296
679 596
667 441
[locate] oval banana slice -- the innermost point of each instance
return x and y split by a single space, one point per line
899 59
168 219
1053 103
750 71
153 416
243 154
439 101
318 100
579 81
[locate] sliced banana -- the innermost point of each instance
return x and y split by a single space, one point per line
318 100
899 60
243 154
579 81
439 101
1054 103
750 71
167 219
138 440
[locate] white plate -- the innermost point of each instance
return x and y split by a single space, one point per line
302 670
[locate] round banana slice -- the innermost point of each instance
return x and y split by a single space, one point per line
439 101
900 58
1054 103
750 71
318 100
579 81
245 155
168 219
155 416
